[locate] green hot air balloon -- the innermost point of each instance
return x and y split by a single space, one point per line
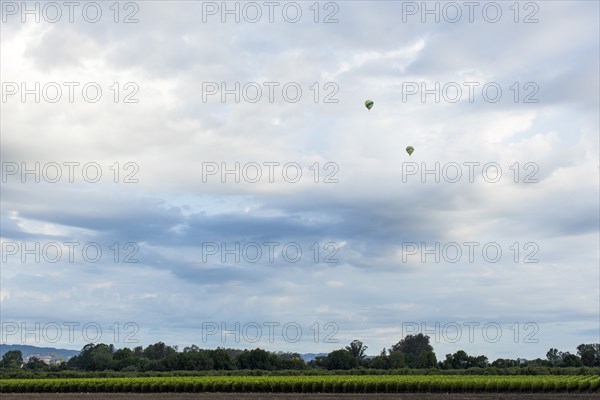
369 104
410 150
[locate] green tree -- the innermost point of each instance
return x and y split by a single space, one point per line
357 349
12 359
426 359
461 360
125 359
381 361
480 361
505 363
569 360
458 360
590 354
341 359
256 359
102 357
171 362
553 355
158 351
138 351
35 363
221 359
417 350
289 361
397 359
195 359
413 344
93 357
318 362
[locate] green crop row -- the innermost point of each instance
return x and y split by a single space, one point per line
312 384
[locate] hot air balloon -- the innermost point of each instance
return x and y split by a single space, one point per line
369 104
410 150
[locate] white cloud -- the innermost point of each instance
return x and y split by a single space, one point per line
367 216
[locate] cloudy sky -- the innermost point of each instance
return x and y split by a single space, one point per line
225 165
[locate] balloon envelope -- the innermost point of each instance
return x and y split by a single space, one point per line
369 104
410 150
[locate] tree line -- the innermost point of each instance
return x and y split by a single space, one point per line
412 352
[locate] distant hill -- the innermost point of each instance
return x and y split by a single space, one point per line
311 356
28 351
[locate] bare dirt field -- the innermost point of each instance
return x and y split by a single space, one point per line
297 396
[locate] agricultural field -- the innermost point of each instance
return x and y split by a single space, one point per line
312 384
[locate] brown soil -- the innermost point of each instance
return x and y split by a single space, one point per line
297 396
